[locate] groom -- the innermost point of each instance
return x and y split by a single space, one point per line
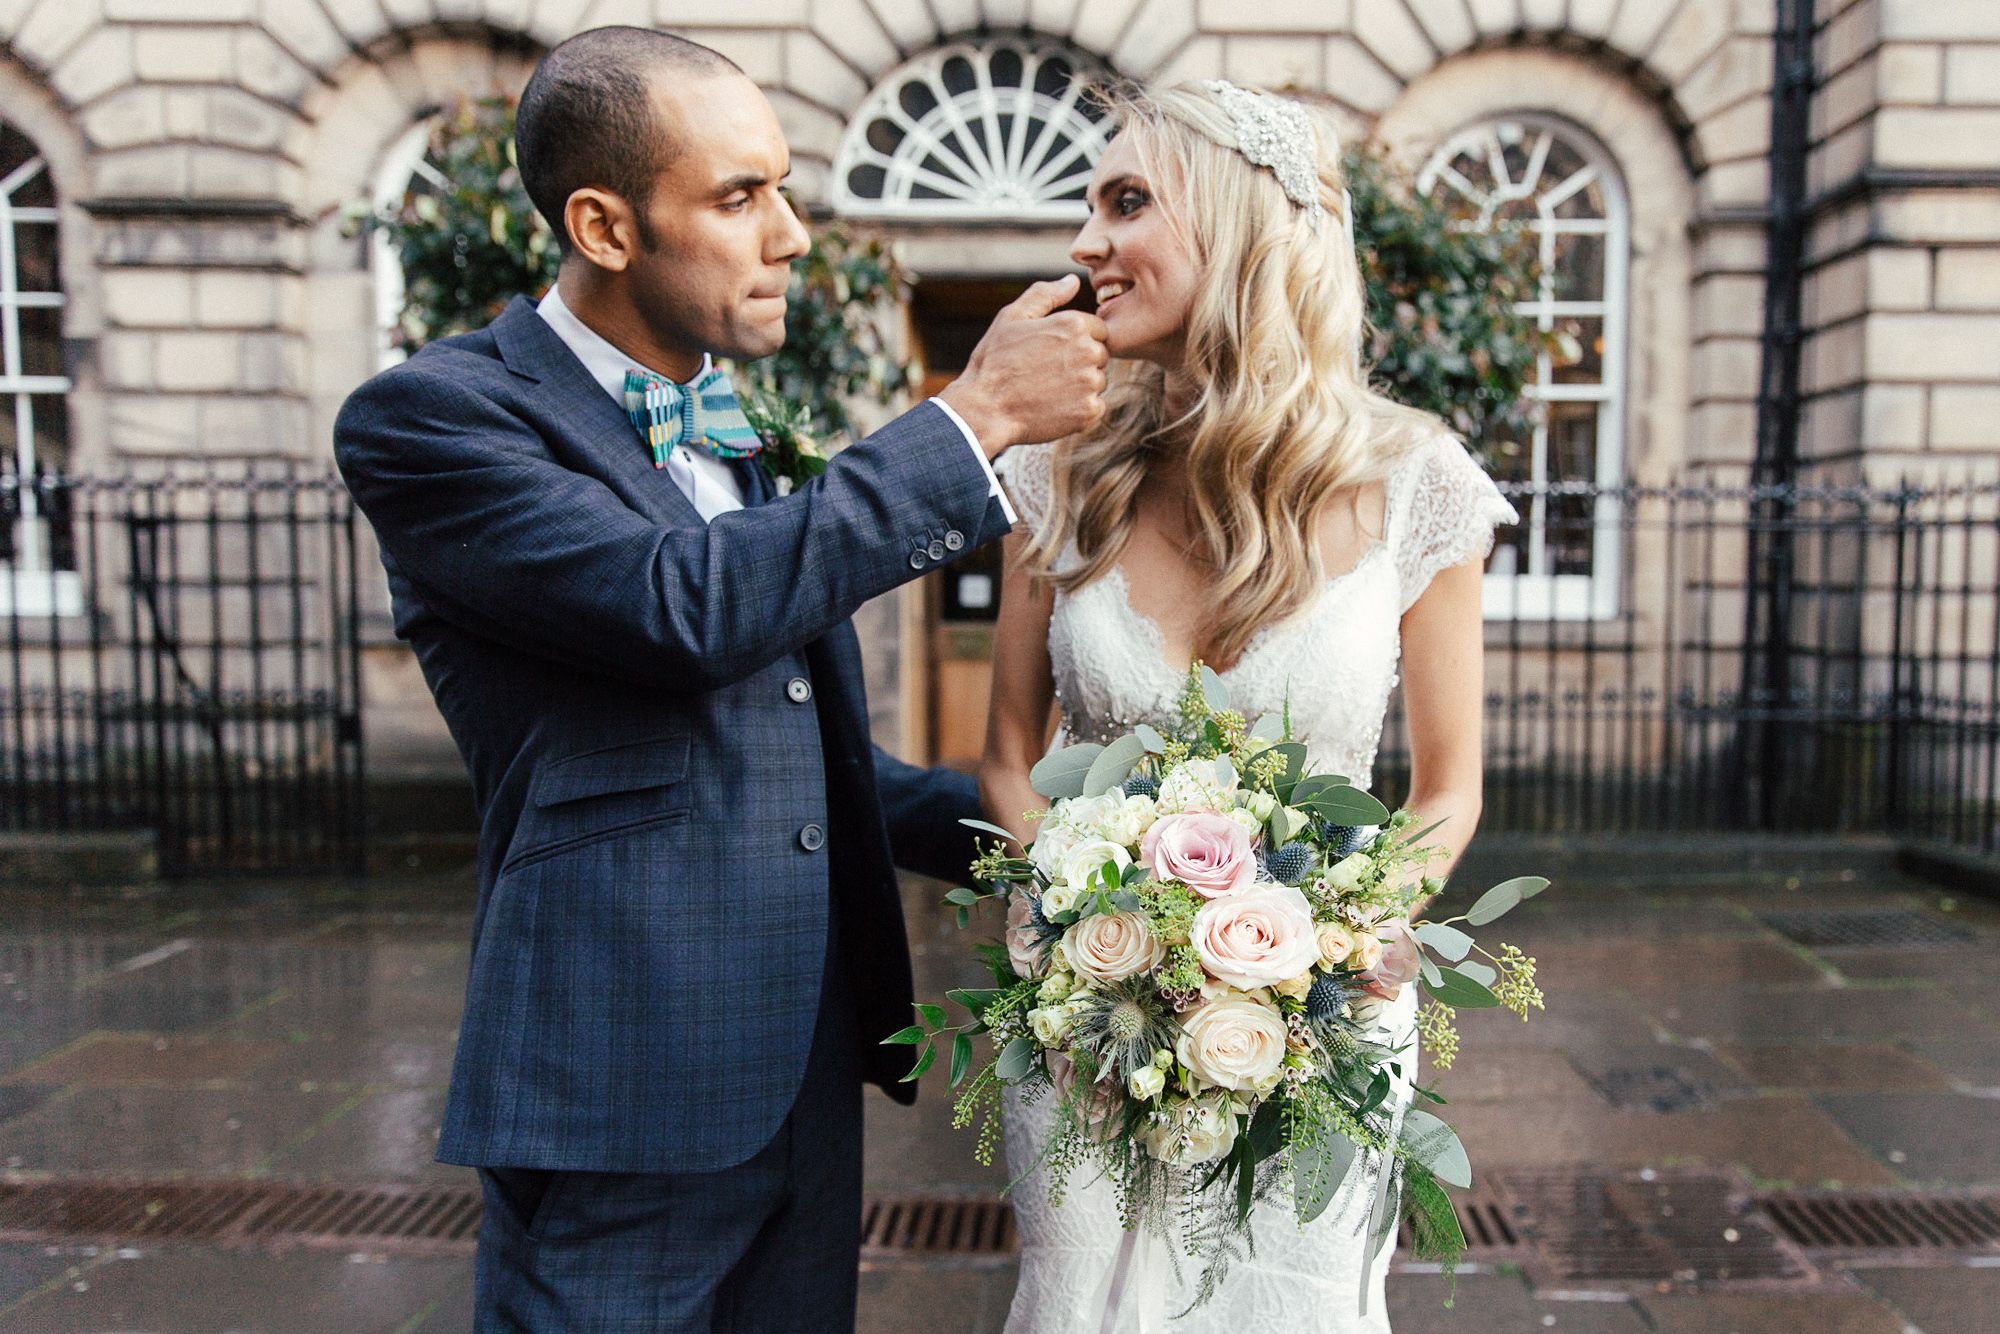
689 940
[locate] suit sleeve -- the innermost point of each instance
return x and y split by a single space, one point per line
923 808
499 537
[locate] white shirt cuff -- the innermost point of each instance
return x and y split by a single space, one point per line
993 487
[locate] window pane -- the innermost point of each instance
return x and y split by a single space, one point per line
1579 266
41 340
1579 355
1572 457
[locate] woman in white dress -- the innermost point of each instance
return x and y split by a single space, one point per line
1248 502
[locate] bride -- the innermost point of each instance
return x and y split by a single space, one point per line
1247 501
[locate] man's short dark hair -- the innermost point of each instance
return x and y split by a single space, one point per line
587 118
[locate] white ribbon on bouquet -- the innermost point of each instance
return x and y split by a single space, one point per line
1137 1283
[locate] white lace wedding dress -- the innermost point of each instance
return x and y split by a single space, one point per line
1336 663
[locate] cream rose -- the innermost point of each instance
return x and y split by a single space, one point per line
1256 938
1057 899
1344 876
1367 951
1336 944
1087 858
1298 988
1147 1083
1199 1130
1104 947
1233 1043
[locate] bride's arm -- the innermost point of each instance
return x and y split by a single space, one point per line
1443 681
1018 723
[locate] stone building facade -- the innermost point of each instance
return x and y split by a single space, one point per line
197 158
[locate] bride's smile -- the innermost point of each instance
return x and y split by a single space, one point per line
1141 266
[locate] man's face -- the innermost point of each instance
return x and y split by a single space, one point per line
723 236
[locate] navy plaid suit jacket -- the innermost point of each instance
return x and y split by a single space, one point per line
665 823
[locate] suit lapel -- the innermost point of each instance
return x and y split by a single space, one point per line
595 426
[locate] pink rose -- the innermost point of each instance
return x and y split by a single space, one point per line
1210 854
1023 939
1257 938
1094 1105
1398 964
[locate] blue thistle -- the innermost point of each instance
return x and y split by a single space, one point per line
1290 863
1340 839
1142 785
1328 997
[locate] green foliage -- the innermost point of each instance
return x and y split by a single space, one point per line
1441 307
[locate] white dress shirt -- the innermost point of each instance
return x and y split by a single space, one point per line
711 485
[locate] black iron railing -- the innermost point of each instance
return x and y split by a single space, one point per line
181 655
1621 695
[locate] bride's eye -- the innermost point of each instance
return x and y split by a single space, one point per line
1130 202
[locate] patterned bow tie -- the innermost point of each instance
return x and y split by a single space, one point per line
704 412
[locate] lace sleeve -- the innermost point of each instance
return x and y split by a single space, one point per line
1028 473
1448 511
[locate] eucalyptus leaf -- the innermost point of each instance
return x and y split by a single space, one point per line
1113 764
1481 973
1432 974
986 828
1225 773
1295 767
1435 1145
1270 727
1287 824
1450 942
1455 989
1319 1169
1154 743
1015 1060
1503 898
962 896
1212 689
1346 805
1062 774
1313 785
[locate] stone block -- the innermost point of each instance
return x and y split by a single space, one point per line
236 298
1847 37
1591 18
147 298
187 112
267 69
362 21
252 424
1898 279
1835 292
1941 216
1972 74
129 116
232 173
51 30
1933 347
307 32
1725 368
1199 59
1965 416
190 360
180 11
810 129
816 73
550 21
125 358
727 13
1729 304
1639 24
1968 280
408 13
1053 17
1004 14
957 17
272 361
1544 15
1744 130
150 423
1395 38
1845 98
1833 358
1277 63
1696 29
238 119
1839 159
94 66
850 29
154 171
1893 416
1155 34
1739 68
1446 22
1744 183
1273 15
1927 20
1494 18
1910 74
760 54
1955 137
1100 23
1356 79
184 55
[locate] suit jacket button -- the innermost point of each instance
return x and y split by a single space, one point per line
798 690
812 837
936 550
954 540
919 558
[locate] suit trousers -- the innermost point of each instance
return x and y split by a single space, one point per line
768 1246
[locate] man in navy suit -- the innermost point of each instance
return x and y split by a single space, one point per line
688 942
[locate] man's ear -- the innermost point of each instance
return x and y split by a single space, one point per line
602 228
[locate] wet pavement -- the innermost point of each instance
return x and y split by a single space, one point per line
301 1031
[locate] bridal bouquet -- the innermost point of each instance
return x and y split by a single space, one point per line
1196 944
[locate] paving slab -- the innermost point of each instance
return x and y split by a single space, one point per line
901 1298
1835 1068
384 1137
145 1131
1770 1313
1937 1138
1939 1301
127 1058
1487 1303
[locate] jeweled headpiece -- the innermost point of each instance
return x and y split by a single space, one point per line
1275 134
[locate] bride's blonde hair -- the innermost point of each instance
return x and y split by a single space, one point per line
1282 420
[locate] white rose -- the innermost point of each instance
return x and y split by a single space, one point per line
1107 946
1232 1044
1087 815
1248 819
1199 1130
1345 875
1192 787
1057 899
1055 988
1050 1024
1129 823
1256 937
1087 858
1260 804
1147 1083
1052 843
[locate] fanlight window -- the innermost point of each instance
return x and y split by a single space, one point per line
997 129
1540 173
37 557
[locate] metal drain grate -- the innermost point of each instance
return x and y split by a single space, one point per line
239 1213
1882 927
1490 1236
1648 1228
929 1225
1878 1221
1647 1088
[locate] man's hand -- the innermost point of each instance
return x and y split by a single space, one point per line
1037 375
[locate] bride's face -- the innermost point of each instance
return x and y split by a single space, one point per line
1139 264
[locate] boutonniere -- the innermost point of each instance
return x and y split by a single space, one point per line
791 456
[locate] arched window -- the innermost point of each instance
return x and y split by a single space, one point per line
36 559
406 169
1542 173
997 128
